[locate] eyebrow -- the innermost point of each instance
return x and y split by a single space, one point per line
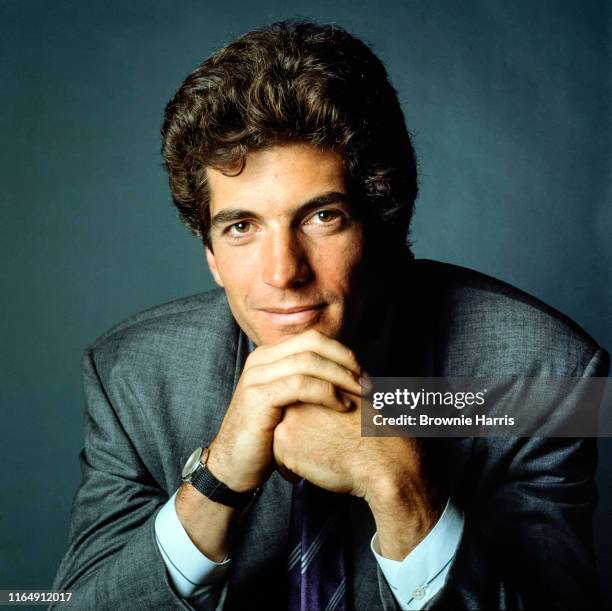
231 215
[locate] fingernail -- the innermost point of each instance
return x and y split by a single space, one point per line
366 383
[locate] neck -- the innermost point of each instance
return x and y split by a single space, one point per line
374 343
374 335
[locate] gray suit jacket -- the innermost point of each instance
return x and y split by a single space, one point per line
158 384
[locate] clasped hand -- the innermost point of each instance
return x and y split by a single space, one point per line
297 408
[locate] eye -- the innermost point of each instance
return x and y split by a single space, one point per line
325 217
238 229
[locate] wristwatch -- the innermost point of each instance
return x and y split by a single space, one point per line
196 474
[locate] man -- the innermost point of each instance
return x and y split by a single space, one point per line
289 157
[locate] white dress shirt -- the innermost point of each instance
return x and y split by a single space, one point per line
413 581
422 573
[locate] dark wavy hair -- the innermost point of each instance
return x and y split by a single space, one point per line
293 81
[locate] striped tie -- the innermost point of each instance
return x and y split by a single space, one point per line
317 572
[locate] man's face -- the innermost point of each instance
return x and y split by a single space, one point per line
287 244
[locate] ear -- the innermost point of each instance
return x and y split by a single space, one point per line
212 264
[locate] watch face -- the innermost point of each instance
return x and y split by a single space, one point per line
192 463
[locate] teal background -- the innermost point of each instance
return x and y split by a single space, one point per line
509 104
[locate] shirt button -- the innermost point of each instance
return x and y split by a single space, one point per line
418 593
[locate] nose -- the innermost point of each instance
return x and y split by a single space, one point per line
285 261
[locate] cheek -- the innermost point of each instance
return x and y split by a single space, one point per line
338 263
236 271
237 293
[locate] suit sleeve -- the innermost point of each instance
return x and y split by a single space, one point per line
528 543
113 561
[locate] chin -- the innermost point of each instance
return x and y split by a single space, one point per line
259 329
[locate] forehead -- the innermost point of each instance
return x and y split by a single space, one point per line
277 179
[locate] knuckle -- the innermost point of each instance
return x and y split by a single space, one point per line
313 334
299 381
296 359
251 358
352 357
256 355
249 394
330 390
309 357
246 379
253 376
349 374
281 432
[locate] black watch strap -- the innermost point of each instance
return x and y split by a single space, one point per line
204 481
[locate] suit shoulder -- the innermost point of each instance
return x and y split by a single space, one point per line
487 318
175 324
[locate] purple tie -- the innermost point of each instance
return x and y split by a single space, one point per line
317 571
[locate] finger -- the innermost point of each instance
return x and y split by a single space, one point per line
299 388
306 363
311 340
355 400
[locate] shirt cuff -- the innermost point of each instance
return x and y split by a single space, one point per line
189 569
422 573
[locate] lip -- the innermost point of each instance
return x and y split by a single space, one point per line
314 306
292 316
